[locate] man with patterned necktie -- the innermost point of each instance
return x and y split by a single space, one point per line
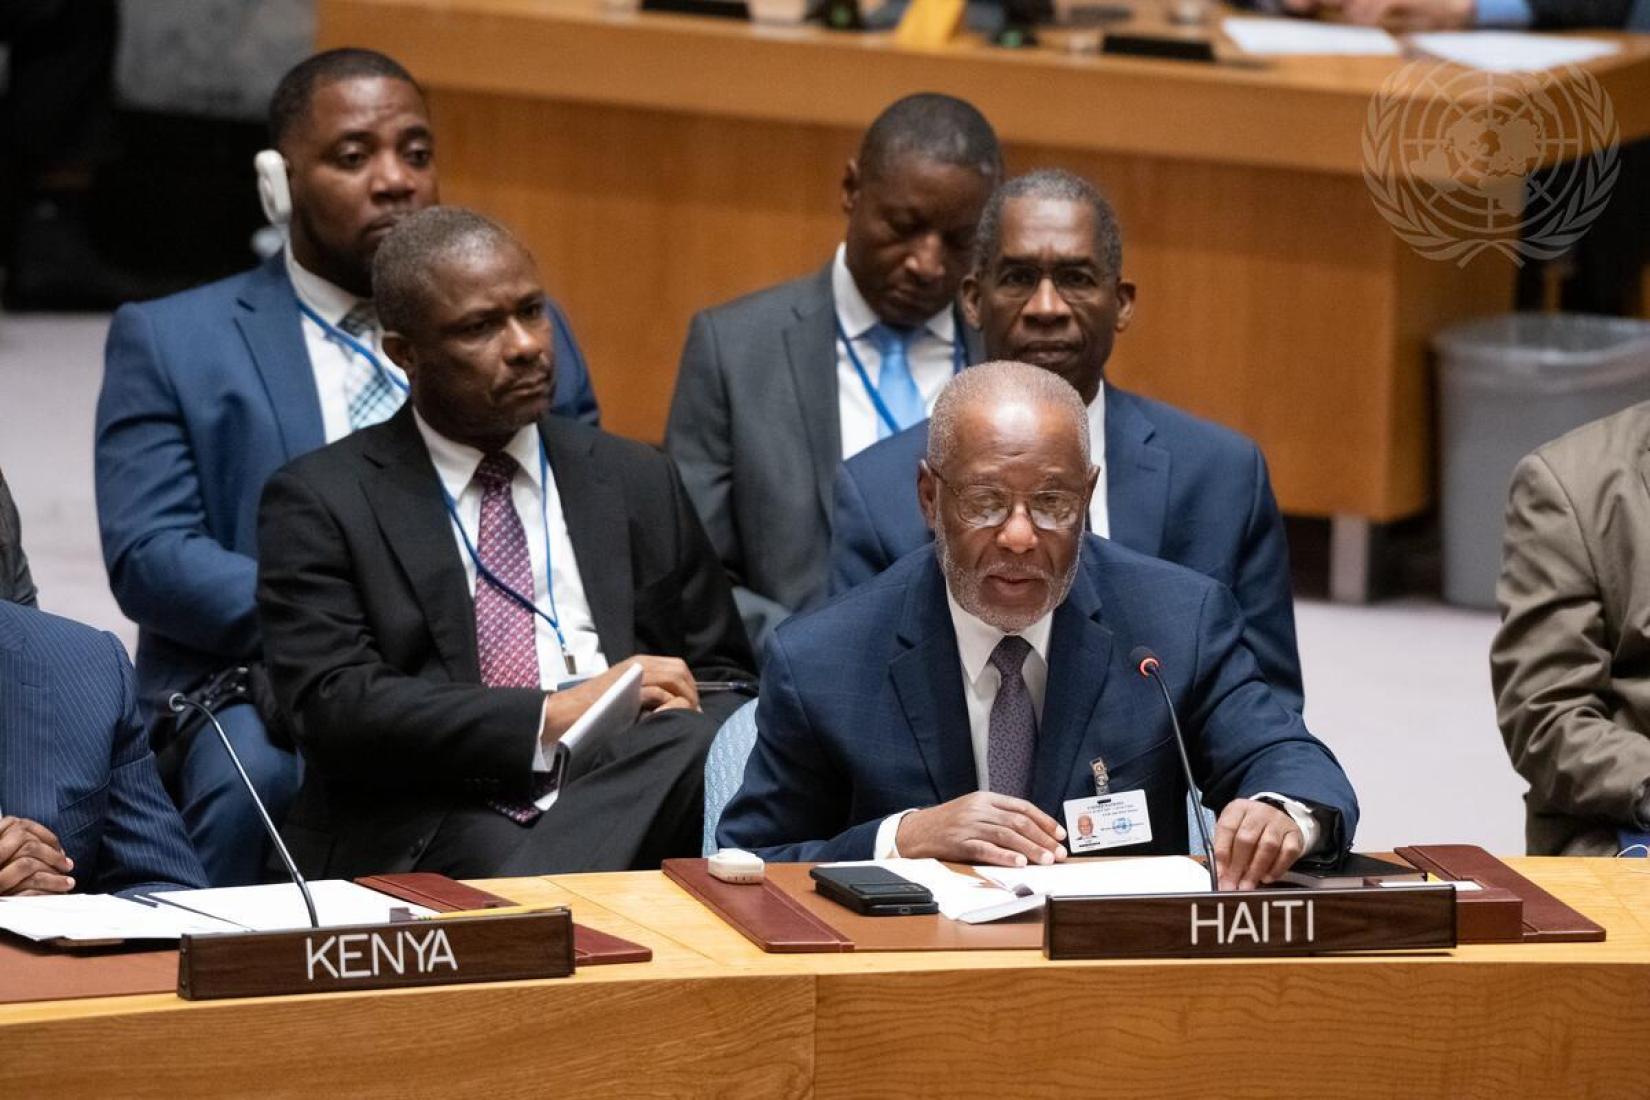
207 393
430 586
965 704
776 388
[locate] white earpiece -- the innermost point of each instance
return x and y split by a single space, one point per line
273 192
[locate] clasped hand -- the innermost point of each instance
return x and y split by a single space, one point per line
32 861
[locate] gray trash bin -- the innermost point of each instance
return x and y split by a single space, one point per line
1506 386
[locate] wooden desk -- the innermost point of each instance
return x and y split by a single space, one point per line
661 164
712 1015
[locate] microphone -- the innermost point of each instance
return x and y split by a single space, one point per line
1144 660
177 704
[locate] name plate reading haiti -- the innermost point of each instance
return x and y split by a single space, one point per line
1260 922
377 956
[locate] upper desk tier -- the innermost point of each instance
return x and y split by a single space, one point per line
661 164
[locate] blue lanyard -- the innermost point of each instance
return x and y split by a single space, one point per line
552 616
339 336
958 362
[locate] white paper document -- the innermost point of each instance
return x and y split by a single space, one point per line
87 918
993 893
1143 875
1510 51
1294 37
279 906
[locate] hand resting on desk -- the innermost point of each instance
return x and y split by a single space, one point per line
983 828
1254 844
31 859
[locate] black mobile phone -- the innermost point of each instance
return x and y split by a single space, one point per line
873 891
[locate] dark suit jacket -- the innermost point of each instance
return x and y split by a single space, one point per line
16 584
371 638
75 757
1178 488
756 430
863 715
205 394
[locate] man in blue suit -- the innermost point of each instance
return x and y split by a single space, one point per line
83 807
1047 289
965 701
208 393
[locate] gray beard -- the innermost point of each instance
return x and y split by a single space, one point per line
968 590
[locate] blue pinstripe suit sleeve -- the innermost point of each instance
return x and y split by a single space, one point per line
144 845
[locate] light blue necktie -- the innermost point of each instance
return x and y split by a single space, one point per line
895 385
372 398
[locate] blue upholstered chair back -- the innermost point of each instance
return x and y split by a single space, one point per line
725 767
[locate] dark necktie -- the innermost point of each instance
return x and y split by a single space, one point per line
504 628
1011 742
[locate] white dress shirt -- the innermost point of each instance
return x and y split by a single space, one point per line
330 359
932 358
1099 513
455 464
976 640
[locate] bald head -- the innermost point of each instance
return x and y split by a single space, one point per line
1004 389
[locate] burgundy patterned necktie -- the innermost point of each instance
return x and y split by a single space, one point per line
1011 740
504 628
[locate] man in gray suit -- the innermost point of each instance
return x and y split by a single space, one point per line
776 388
16 585
1571 662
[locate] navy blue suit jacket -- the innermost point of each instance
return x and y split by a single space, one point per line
75 757
862 711
205 395
1177 488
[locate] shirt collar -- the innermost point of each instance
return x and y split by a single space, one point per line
976 639
455 463
331 302
1097 432
857 316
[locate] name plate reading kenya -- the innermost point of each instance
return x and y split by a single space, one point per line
1259 922
377 956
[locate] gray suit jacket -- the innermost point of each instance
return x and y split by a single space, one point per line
16 585
755 430
1571 662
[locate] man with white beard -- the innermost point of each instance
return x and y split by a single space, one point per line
973 700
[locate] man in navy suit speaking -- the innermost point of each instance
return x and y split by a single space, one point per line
209 392
1047 288
973 701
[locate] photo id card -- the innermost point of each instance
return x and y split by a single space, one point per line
1107 821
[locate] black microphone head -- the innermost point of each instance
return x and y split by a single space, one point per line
174 702
1144 660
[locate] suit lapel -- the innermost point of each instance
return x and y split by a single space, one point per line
598 525
404 493
1137 476
273 330
928 680
810 349
1079 659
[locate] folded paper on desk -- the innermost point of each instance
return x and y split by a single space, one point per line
86 919
1510 51
279 906
995 893
1297 37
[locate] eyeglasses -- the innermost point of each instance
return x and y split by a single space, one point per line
982 506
